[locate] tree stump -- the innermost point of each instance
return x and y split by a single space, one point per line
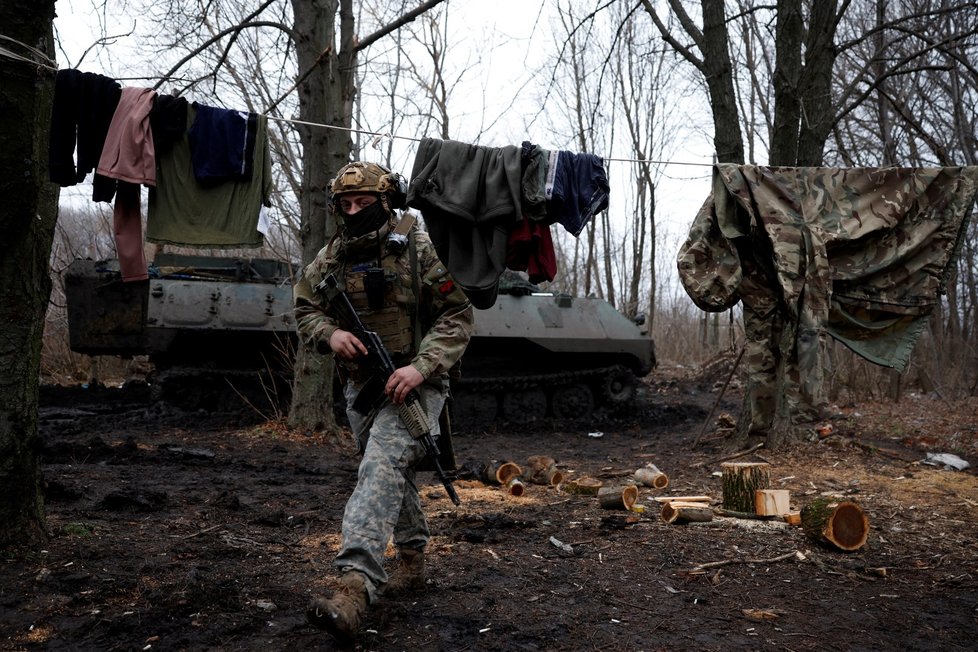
543 470
838 523
678 513
740 481
622 497
584 485
651 476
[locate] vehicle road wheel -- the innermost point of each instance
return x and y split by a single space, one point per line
573 402
472 408
525 405
619 386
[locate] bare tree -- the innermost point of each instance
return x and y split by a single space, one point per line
27 220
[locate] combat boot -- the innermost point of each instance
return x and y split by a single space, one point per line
408 575
341 614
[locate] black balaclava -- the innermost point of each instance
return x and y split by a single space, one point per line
366 220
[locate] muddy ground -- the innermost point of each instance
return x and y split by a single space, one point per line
176 531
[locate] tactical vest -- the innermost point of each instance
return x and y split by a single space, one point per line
386 303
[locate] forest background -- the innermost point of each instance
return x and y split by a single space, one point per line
627 80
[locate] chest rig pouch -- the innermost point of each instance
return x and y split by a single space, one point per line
385 302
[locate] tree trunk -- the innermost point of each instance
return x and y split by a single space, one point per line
495 472
28 215
817 113
718 71
788 38
325 97
543 470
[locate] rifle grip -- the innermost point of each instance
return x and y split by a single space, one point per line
414 417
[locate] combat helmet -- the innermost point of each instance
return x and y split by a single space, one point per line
361 176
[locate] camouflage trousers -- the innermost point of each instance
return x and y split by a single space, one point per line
385 502
794 351
763 354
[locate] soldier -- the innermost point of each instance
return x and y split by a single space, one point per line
403 292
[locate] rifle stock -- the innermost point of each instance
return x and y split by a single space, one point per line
411 411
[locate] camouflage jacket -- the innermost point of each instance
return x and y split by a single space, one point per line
862 253
449 314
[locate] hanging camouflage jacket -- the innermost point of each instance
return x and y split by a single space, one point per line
859 253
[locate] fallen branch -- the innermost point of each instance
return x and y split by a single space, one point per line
797 554
682 499
706 423
204 531
751 515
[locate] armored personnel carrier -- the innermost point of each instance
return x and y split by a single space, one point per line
211 324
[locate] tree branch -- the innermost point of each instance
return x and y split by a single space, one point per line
895 71
667 36
363 43
896 23
301 78
686 21
217 37
400 22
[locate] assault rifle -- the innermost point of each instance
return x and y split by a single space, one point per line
411 411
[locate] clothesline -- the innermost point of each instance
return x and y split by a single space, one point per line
47 63
378 136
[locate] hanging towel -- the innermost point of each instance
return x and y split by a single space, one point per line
535 161
168 121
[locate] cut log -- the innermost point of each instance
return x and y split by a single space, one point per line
543 470
840 524
584 485
499 472
678 513
740 481
772 502
651 476
792 518
515 486
618 497
682 499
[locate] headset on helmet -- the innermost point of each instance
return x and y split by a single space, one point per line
360 176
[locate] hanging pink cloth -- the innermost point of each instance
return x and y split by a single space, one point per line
129 156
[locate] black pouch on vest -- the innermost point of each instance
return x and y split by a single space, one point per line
373 285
